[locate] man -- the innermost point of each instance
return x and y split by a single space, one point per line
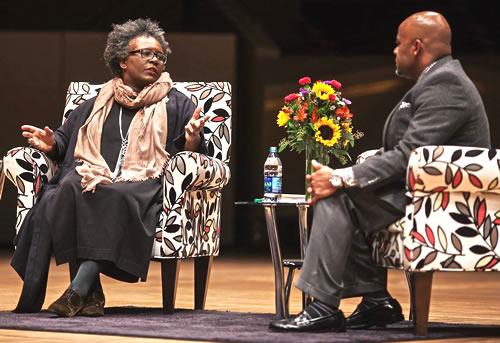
443 107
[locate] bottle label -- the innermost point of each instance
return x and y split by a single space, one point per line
276 185
268 184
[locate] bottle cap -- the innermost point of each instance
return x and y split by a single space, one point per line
273 149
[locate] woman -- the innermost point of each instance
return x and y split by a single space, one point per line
102 206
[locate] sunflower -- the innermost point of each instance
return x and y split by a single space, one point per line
322 90
327 131
283 118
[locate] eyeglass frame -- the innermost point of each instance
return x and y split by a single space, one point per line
162 60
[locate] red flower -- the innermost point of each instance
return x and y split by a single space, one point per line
304 81
291 97
332 97
343 112
335 84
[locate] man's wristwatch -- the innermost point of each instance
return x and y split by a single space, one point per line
343 178
336 181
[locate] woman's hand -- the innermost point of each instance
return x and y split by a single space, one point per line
193 128
42 140
319 182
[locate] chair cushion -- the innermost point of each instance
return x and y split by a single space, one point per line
386 246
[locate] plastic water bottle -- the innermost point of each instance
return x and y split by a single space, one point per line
273 172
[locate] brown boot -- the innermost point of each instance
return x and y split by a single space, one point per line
68 304
94 304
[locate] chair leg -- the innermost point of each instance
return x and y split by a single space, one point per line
202 267
411 286
288 289
169 276
422 284
306 300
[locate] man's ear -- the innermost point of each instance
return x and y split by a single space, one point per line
123 65
418 46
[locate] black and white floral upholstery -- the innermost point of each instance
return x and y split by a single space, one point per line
451 223
28 169
453 220
189 226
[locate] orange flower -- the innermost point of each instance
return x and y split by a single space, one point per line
301 113
343 112
314 116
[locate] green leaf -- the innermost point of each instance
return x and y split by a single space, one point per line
283 144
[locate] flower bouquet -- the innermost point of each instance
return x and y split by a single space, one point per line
318 121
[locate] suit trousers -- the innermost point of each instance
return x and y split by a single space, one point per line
337 263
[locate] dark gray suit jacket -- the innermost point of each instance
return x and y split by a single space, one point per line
442 108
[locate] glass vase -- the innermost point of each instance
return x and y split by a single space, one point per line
314 151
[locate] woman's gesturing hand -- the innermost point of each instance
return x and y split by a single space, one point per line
42 140
193 129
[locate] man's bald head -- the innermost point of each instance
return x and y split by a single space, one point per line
433 29
422 38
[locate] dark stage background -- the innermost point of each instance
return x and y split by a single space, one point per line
262 47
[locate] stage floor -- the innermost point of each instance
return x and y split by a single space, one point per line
245 284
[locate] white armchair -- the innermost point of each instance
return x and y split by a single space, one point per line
451 224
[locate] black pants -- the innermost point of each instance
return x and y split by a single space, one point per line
31 260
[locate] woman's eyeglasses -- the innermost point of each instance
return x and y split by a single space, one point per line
148 54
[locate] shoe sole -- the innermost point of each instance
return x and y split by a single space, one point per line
312 331
379 323
61 313
91 313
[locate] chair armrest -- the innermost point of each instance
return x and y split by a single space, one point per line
192 171
28 169
453 169
367 154
23 165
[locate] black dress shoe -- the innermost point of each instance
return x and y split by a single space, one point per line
94 304
304 322
369 314
68 304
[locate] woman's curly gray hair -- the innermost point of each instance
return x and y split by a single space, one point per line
117 44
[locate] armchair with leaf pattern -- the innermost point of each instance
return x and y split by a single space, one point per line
451 224
189 225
